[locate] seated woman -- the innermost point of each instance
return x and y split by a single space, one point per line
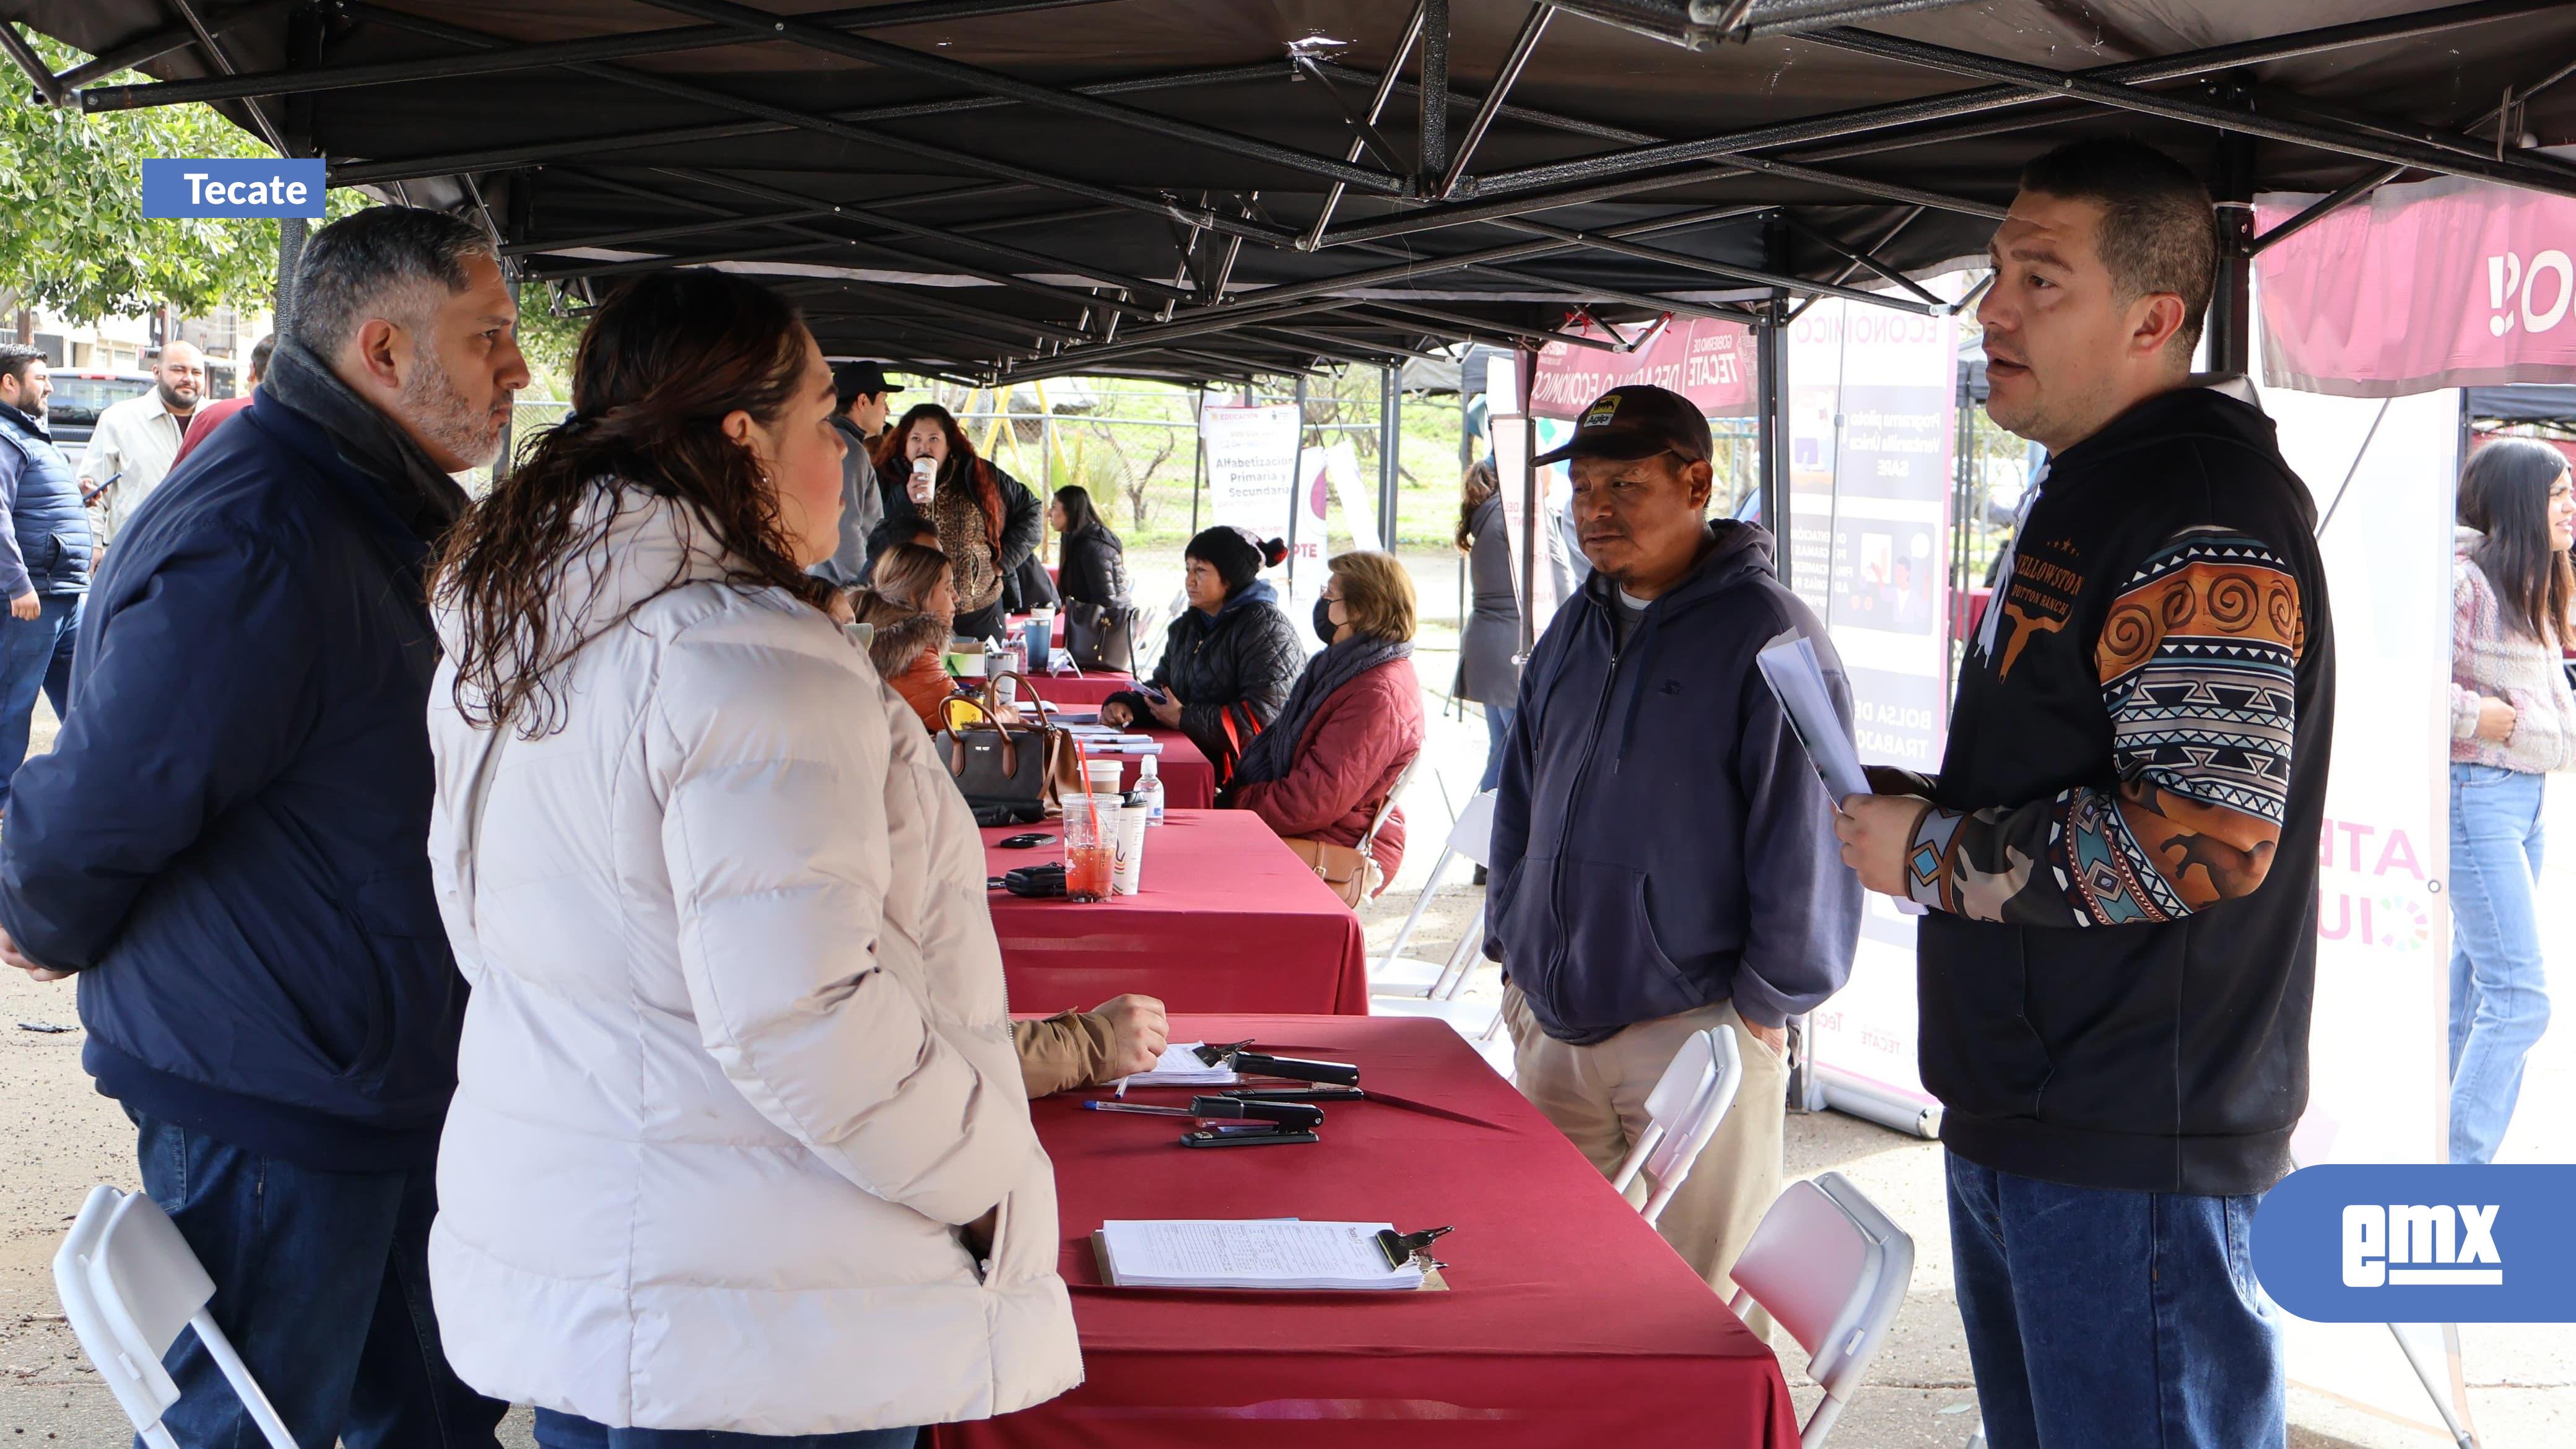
1227 661
1094 566
910 601
1354 723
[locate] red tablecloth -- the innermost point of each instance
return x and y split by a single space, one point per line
1189 781
1567 1321
1083 691
1228 920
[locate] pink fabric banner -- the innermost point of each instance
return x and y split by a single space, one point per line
2439 284
1709 362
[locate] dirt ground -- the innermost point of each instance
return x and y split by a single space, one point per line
58 1137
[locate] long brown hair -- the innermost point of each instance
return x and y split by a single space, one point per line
664 361
903 578
888 452
1478 485
2504 494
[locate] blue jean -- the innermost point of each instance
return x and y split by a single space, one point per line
2113 1320
571 1431
1498 730
322 1283
2499 983
35 654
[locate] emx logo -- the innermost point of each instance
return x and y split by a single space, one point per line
2421 1244
2438 1243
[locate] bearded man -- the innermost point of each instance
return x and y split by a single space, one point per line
227 844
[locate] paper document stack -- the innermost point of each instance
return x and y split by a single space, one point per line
1181 1067
1276 1253
1797 676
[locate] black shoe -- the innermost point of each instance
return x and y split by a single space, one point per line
1480 876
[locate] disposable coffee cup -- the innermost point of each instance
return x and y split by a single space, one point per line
925 480
1130 860
1103 776
1007 690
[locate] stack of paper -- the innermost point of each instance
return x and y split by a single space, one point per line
1276 1253
1181 1067
1797 676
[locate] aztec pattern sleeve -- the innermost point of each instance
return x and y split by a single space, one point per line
2197 661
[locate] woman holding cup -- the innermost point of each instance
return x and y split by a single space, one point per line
988 523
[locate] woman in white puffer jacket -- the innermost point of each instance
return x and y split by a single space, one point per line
739 1140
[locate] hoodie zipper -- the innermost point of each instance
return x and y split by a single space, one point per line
1574 801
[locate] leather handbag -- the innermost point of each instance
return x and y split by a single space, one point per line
1347 872
1101 638
1010 773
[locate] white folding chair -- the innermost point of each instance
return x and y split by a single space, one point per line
128 1284
1832 1269
1395 974
1682 1113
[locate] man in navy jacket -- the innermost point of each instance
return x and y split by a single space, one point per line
1664 860
44 556
227 844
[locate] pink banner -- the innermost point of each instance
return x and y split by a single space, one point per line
2440 284
1709 362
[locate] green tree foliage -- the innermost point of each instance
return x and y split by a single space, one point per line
76 241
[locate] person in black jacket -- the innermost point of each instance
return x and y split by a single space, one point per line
1228 661
1094 566
44 557
989 523
2120 852
228 843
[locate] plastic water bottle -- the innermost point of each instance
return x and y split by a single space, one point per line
1149 789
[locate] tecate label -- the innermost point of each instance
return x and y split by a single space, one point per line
232 188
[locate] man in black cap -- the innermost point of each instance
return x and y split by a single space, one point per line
864 397
1664 860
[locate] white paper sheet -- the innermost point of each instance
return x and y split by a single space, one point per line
1181 1067
1202 1253
1797 677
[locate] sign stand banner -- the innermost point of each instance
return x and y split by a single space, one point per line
1707 361
1251 455
1873 423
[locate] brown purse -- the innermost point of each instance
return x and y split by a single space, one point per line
1009 773
1348 872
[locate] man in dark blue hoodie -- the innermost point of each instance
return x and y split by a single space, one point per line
228 844
1664 859
44 556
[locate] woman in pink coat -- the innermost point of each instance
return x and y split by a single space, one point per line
1322 770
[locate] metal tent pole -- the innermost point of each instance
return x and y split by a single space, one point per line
2231 306
1771 379
1297 487
1390 433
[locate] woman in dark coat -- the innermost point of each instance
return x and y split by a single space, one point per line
1093 569
1228 661
988 523
1487 674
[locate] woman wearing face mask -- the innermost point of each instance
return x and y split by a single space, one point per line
1228 660
988 523
740 1144
1352 725
910 603
2512 722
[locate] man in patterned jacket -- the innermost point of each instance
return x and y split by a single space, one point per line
2120 852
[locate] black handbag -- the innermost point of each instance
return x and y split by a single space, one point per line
1101 637
1010 774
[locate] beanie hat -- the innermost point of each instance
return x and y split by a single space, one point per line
1235 553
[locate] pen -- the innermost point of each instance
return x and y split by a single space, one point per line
1098 1106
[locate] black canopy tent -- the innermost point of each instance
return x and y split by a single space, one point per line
994 190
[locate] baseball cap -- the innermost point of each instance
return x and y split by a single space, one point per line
853 380
1638 421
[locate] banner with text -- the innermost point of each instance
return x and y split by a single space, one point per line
2445 283
1873 423
1709 362
1251 460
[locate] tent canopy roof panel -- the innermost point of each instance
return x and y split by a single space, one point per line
1193 188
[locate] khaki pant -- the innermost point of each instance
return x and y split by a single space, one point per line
1596 1096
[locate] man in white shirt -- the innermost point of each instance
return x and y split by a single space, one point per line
137 439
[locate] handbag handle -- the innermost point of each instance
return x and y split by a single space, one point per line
957 750
992 693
